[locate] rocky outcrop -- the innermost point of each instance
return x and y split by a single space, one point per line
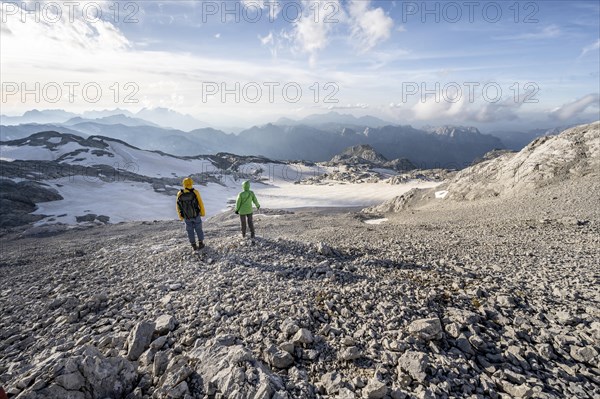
360 154
231 371
366 155
18 199
411 198
83 374
547 160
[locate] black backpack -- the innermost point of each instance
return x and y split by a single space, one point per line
188 204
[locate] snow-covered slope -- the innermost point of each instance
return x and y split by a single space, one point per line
96 150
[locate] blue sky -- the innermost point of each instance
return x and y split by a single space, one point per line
487 64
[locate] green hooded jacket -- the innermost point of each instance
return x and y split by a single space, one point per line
243 205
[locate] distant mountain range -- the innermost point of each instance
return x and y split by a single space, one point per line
119 119
314 138
153 117
333 119
36 116
301 142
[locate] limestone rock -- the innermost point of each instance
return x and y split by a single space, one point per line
278 358
303 336
164 324
415 364
140 339
426 329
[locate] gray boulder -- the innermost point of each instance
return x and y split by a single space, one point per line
426 329
278 358
415 364
164 324
139 339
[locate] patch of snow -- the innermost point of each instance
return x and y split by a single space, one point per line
288 195
14 179
54 140
441 194
152 164
27 153
385 172
38 153
6 159
283 173
376 221
123 201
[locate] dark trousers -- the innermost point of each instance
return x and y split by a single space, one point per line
194 226
248 219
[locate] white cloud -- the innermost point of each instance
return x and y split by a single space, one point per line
574 108
311 31
465 109
57 36
267 40
217 36
504 110
370 26
432 109
590 48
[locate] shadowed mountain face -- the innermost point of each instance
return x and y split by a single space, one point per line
447 147
424 149
16 132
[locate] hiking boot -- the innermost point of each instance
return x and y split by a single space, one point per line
200 244
194 247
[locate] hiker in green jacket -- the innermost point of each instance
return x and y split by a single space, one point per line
243 207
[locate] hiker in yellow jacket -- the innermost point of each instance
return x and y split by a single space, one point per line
190 209
243 207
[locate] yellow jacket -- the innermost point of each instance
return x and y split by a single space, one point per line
188 185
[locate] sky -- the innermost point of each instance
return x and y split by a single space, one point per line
508 64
